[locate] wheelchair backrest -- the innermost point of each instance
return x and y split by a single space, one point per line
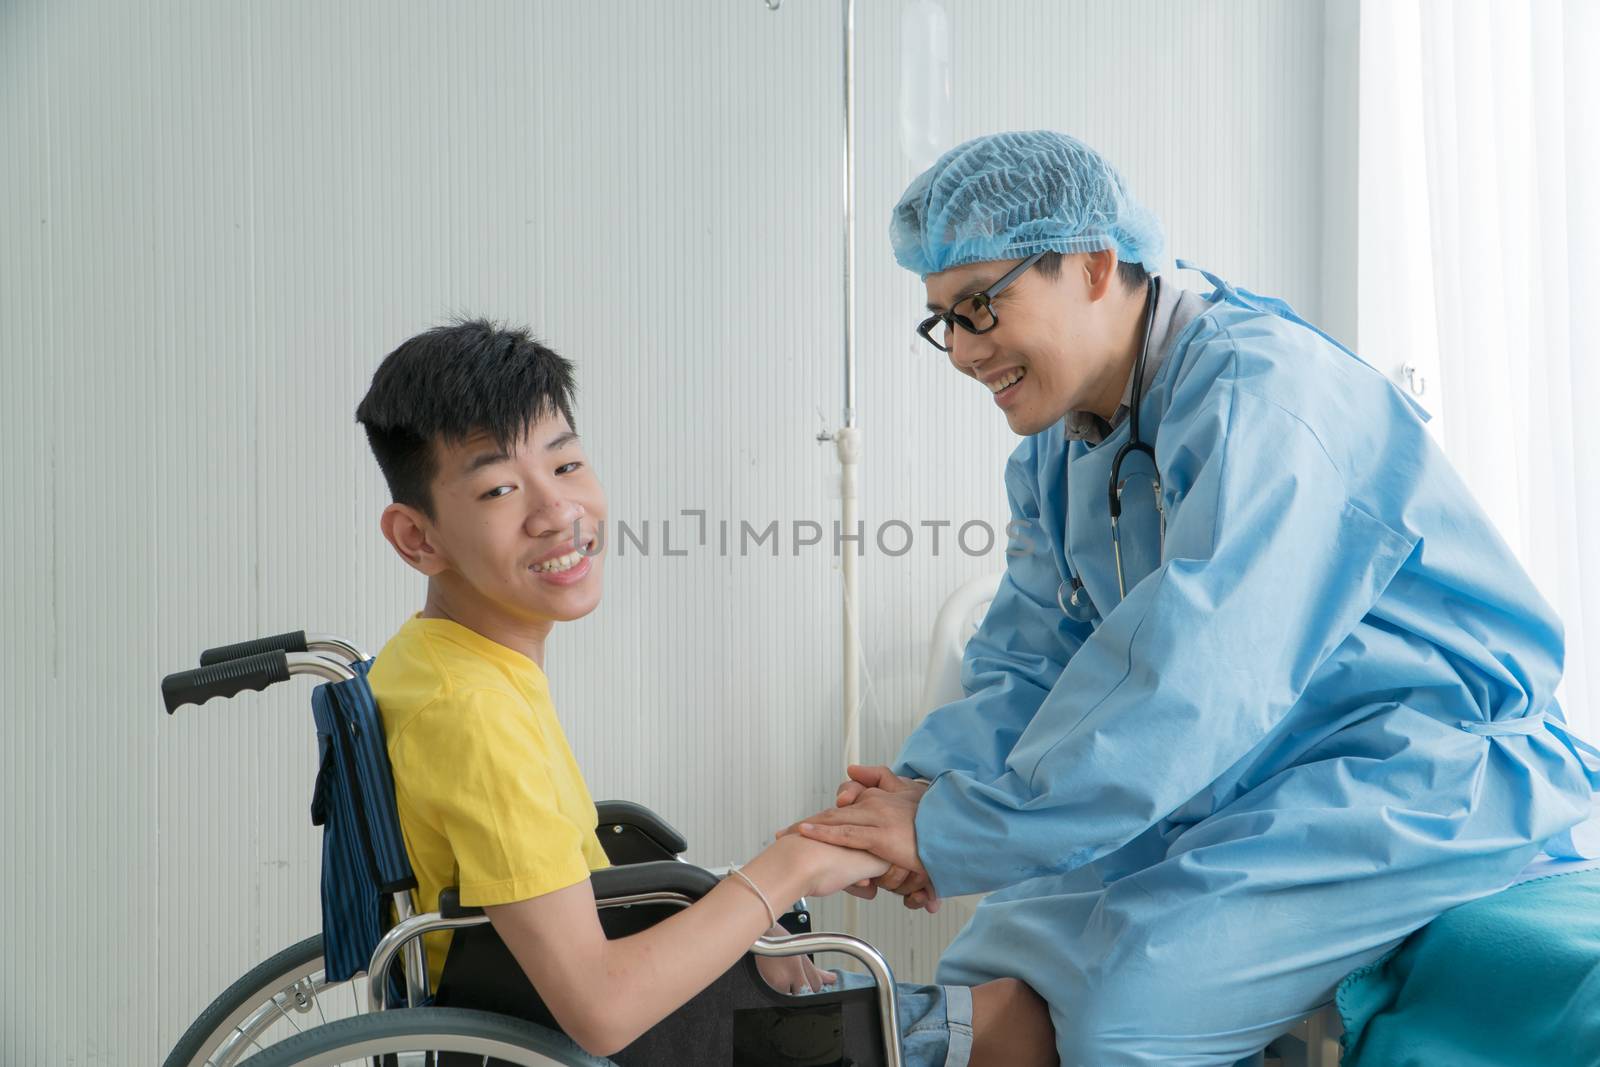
363 855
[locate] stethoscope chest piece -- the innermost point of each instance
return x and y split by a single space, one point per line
1076 604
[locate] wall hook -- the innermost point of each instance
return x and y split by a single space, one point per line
1415 379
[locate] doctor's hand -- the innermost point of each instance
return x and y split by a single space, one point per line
882 822
914 887
863 778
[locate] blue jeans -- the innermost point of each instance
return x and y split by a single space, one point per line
935 1020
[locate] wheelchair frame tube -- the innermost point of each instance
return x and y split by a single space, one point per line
416 959
863 953
296 641
408 933
346 650
405 934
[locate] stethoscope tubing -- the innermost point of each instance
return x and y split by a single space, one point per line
1079 606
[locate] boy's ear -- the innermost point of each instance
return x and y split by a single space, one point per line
409 531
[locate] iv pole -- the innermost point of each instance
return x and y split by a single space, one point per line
847 440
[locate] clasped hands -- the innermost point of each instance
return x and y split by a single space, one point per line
877 812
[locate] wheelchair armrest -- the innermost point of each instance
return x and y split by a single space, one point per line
632 833
612 883
450 906
662 876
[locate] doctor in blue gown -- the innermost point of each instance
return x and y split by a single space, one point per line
1315 708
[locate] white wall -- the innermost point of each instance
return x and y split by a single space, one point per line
218 217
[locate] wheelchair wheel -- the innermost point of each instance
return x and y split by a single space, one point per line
426 1036
283 995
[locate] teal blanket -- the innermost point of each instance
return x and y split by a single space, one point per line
1506 981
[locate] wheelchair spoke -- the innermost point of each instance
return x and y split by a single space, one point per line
286 1018
317 1003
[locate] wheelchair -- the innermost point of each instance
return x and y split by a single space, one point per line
359 991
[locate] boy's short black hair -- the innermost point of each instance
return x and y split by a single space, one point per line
1132 275
449 383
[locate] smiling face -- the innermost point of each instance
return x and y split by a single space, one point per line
513 545
1058 344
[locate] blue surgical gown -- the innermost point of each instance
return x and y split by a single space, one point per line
1324 713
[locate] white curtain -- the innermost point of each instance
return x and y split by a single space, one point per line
1479 208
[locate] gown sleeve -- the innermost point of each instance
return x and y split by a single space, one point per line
1013 661
1267 567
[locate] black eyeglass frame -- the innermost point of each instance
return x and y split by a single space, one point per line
984 296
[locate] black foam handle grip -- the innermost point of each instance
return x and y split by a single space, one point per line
224 679
289 642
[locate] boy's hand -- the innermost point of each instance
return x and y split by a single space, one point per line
828 868
793 974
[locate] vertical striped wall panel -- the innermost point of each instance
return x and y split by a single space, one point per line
217 218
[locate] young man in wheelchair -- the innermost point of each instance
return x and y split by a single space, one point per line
495 503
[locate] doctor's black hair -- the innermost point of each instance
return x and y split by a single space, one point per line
1132 274
451 382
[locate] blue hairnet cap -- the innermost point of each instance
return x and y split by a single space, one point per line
1009 195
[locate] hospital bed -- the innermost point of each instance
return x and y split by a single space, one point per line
308 1004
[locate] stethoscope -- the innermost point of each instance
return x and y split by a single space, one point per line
1076 604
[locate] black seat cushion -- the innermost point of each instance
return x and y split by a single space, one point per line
738 1020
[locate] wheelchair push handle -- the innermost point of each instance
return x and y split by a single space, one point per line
251 672
294 641
224 679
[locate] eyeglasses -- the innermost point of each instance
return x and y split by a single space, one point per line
974 313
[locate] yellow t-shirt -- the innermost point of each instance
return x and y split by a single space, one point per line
489 795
